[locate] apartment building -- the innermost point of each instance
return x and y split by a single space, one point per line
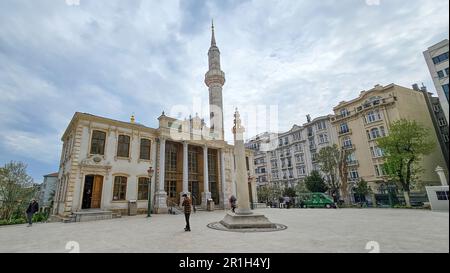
285 159
436 57
361 121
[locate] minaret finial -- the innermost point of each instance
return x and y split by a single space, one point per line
213 38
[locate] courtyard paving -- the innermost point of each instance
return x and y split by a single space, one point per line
309 230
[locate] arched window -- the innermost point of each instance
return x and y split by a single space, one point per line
374 133
371 117
347 142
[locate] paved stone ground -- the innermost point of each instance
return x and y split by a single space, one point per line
309 230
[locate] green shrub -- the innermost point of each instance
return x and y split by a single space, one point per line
39 217
14 221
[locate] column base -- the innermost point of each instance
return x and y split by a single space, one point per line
160 203
205 197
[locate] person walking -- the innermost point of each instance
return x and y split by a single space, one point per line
233 203
187 211
33 207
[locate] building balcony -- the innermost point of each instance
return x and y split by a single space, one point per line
345 132
353 179
352 163
348 147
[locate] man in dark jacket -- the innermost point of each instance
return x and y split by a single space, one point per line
187 211
33 207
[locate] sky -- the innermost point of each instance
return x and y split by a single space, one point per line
282 60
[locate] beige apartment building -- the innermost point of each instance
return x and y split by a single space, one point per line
361 121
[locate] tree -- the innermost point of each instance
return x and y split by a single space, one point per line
16 189
329 159
403 148
301 188
263 193
343 174
361 188
290 192
314 182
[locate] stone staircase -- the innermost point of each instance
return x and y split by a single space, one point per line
85 215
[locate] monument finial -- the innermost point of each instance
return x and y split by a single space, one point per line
213 38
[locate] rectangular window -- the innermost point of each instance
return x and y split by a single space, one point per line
145 149
123 146
440 74
143 184
442 195
440 58
445 88
344 128
171 188
441 122
98 142
354 174
445 137
347 142
321 125
446 71
120 188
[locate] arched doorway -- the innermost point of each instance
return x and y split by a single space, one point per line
92 192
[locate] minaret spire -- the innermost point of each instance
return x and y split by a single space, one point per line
213 39
215 79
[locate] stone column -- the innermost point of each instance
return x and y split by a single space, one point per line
161 195
185 172
224 199
241 169
205 194
153 180
440 171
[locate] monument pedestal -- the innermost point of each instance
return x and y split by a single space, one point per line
237 221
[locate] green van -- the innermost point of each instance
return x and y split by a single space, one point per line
315 200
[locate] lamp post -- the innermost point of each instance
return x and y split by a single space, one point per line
150 172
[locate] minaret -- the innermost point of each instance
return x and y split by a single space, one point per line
215 79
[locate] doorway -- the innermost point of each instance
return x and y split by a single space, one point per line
92 193
195 192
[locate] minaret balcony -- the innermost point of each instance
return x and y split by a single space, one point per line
215 76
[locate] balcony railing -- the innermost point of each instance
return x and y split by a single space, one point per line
352 162
344 132
348 147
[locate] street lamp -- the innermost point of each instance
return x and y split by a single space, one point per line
150 172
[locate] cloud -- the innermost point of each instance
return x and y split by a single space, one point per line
115 58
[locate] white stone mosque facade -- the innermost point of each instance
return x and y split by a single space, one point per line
104 162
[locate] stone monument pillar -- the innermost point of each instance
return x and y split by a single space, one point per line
244 217
440 171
